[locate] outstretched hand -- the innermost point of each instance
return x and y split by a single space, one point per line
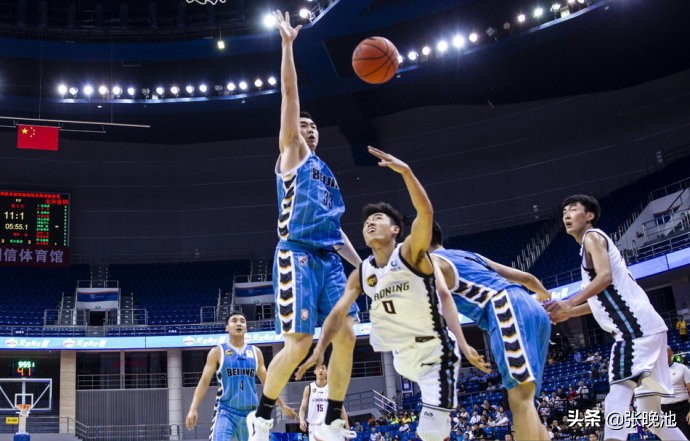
316 358
475 359
287 32
388 160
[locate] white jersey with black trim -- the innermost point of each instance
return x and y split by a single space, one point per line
318 402
680 378
623 308
404 303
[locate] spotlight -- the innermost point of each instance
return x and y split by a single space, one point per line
103 90
426 50
62 89
218 88
521 18
203 88
272 81
189 89
88 90
473 37
220 44
555 7
538 12
269 21
458 41
243 85
412 55
231 86
159 91
146 92
73 91
571 2
304 13
258 83
442 46
175 90
131 91
400 59
117 91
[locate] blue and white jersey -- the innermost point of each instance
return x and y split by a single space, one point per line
475 282
236 378
622 308
309 204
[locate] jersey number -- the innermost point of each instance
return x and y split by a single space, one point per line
327 200
241 384
388 306
319 407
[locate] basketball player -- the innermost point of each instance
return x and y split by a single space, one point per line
405 314
493 296
236 364
637 364
308 275
679 405
312 409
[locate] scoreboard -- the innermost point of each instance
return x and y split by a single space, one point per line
34 228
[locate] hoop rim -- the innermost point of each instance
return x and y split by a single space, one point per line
24 407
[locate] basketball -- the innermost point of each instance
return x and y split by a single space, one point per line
375 60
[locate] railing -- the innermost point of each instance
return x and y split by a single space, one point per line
122 381
98 283
384 403
666 225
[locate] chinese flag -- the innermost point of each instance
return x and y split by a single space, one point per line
37 137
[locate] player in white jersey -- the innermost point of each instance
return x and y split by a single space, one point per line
312 409
637 364
235 364
679 405
406 314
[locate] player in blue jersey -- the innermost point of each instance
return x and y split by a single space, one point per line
493 296
308 275
236 365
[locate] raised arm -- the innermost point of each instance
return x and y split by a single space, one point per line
336 319
525 279
212 363
293 147
415 247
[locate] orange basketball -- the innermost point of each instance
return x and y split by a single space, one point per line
375 60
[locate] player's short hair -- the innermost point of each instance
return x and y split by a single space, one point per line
436 235
589 202
234 313
306 115
387 209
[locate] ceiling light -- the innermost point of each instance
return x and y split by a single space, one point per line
304 13
159 91
269 21
175 90
62 89
272 81
400 59
555 7
458 41
243 85
231 86
189 89
538 12
426 50
131 91
473 37
412 55
220 44
88 90
442 46
258 83
117 90
521 18
73 91
203 88
103 90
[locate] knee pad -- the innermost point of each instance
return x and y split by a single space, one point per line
434 424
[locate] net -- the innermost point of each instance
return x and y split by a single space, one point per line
203 2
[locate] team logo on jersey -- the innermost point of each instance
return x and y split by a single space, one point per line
302 260
228 352
305 314
249 353
372 280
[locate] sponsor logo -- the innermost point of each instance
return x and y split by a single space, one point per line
303 260
11 342
228 353
188 341
69 343
305 314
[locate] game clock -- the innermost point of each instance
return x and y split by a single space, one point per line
24 368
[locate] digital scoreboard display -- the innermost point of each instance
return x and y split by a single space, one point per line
34 228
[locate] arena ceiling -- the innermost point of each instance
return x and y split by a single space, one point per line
605 46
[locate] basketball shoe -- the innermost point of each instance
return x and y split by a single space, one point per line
335 431
259 428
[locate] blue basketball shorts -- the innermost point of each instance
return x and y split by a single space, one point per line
308 284
519 330
228 426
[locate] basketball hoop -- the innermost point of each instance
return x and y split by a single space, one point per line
203 2
24 409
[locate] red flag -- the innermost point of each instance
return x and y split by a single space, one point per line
37 137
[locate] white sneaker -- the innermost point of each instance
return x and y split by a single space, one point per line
335 431
259 428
